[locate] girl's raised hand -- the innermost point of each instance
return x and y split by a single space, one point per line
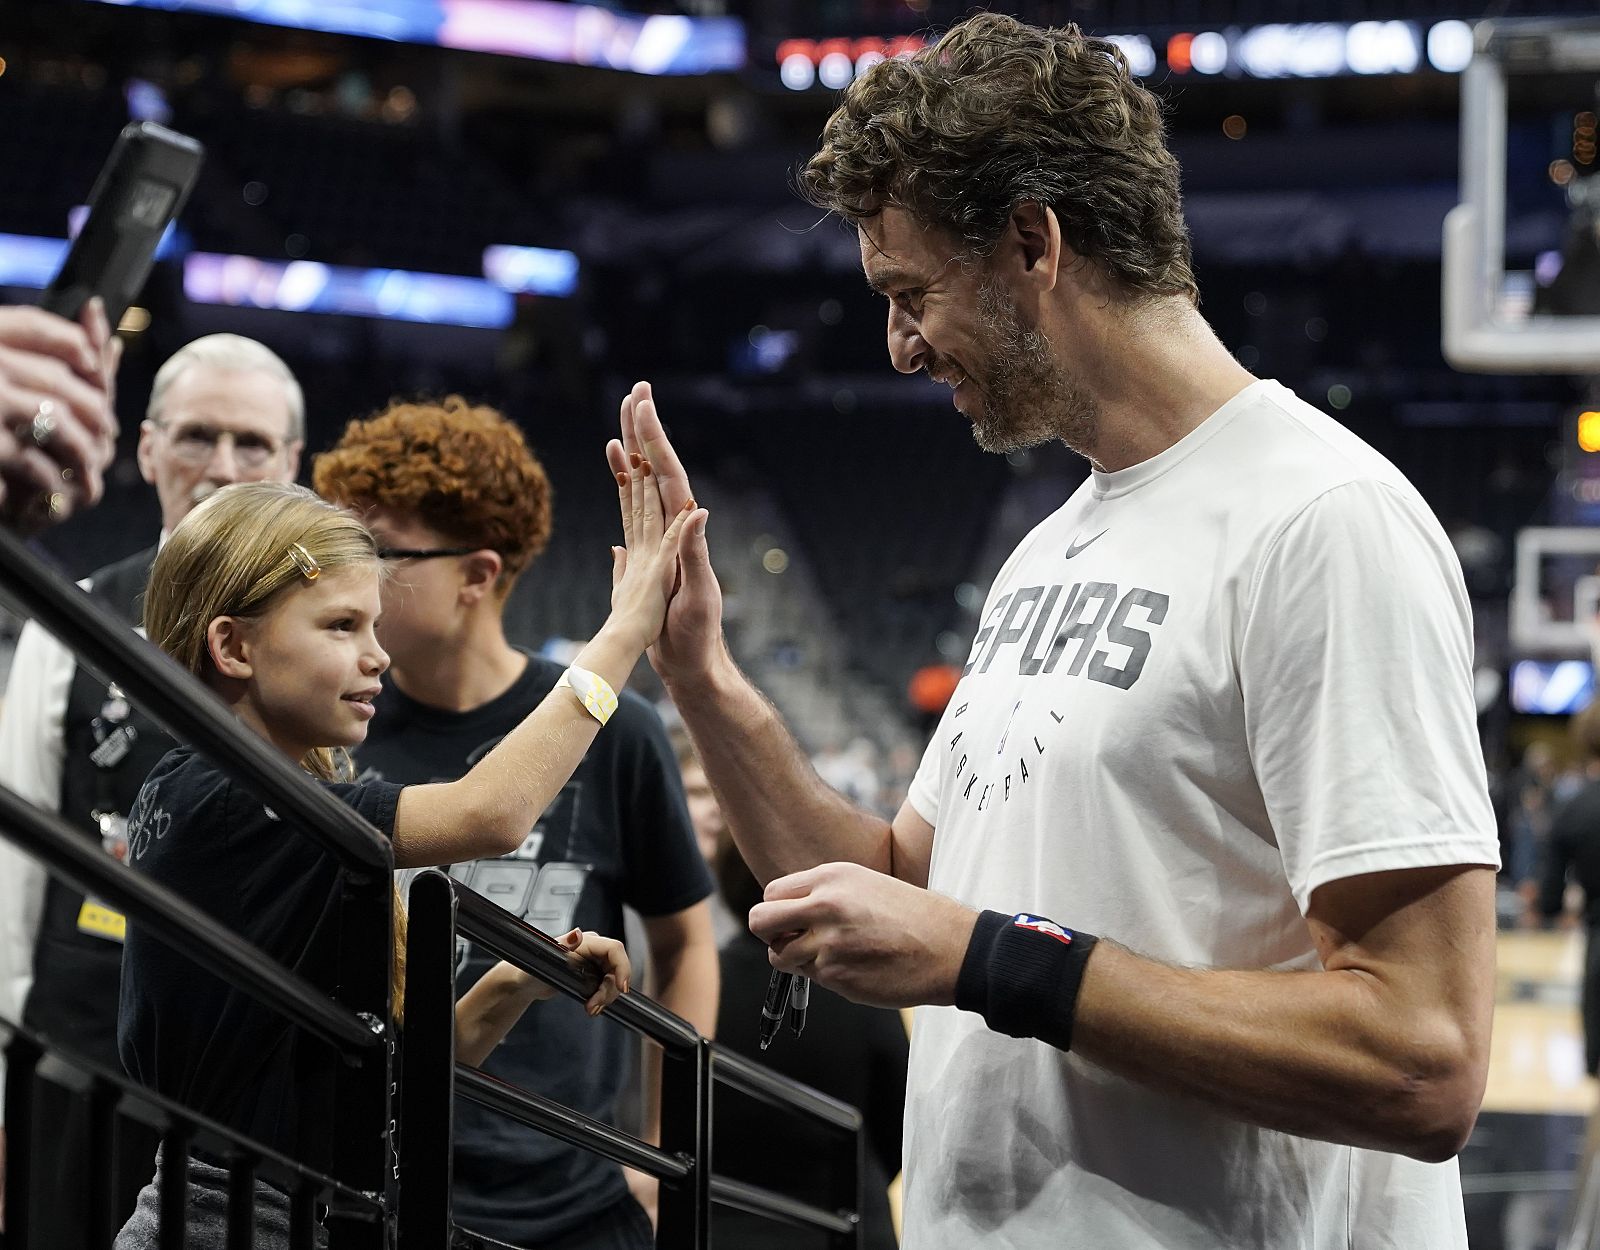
644 573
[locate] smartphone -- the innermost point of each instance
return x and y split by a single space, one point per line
141 189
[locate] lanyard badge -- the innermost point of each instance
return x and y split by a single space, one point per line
113 736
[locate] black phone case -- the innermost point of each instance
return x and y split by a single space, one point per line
141 188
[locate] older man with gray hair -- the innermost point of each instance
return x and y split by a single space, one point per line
223 409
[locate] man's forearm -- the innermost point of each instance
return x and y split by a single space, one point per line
783 816
1325 1054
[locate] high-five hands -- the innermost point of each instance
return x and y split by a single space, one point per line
644 572
692 633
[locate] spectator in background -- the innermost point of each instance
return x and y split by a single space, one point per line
460 508
223 409
710 831
1542 767
58 435
58 421
1538 786
1573 850
854 1053
1527 839
852 771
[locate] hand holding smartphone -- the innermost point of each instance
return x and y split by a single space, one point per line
57 421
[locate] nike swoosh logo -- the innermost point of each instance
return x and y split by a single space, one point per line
1074 547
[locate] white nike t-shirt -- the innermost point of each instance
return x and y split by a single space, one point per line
1205 686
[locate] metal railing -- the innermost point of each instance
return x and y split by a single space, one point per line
110 1096
356 1025
375 1199
440 909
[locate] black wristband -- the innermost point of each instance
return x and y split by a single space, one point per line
1022 975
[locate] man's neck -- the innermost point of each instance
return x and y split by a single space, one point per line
464 676
1158 373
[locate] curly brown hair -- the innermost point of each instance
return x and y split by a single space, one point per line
460 468
996 114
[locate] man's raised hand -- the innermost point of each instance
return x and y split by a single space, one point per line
691 638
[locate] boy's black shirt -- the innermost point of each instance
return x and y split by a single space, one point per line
618 833
183 1031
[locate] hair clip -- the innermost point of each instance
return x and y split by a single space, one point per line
303 561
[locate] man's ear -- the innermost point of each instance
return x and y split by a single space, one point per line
481 572
1035 236
147 453
228 644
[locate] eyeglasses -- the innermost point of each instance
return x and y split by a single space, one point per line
196 444
423 553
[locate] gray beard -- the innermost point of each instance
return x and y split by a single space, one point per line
1026 397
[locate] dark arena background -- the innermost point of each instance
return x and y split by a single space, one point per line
536 203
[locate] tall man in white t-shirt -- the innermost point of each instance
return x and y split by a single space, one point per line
1218 712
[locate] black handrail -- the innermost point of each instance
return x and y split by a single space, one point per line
749 1078
547 1116
179 923
27 1050
442 908
510 938
183 704
758 1201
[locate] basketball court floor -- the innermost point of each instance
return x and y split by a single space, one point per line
1517 1171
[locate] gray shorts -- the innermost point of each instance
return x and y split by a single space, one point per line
207 1211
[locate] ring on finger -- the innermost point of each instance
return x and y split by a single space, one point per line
43 425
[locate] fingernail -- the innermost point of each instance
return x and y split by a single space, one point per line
646 468
635 459
690 506
622 479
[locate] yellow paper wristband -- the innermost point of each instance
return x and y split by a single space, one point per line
593 691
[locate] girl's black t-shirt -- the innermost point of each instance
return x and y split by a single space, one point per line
184 1032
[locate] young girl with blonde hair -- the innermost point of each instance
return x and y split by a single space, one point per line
271 597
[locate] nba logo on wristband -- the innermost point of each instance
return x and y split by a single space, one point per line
1040 924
